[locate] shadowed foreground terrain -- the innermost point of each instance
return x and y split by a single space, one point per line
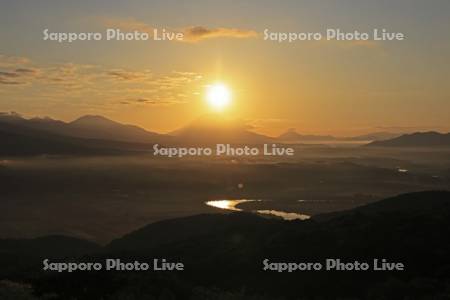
100 198
223 256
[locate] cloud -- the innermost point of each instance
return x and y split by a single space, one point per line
198 33
27 71
9 78
121 74
147 101
9 74
82 84
15 70
18 76
142 101
190 33
7 61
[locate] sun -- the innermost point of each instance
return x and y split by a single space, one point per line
218 96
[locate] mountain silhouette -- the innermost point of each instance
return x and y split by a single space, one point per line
417 139
374 136
20 136
418 203
291 135
211 129
99 127
208 129
22 140
87 127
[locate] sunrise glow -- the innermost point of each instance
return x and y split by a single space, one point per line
218 96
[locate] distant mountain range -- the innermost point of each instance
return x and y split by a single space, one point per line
291 136
375 136
418 139
88 127
96 135
45 136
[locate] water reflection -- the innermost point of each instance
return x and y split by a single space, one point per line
228 204
231 205
285 215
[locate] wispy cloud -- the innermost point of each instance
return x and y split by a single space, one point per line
7 61
190 33
15 70
9 78
156 100
120 74
60 82
199 33
18 76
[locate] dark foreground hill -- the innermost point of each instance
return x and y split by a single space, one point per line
418 139
223 256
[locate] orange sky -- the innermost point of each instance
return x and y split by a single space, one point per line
325 87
